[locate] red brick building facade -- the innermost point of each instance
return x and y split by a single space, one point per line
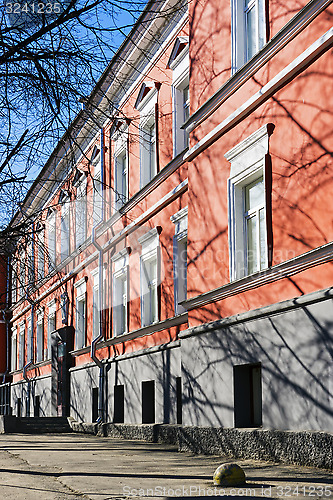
180 269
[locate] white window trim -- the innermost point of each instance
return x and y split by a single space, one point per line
81 290
65 214
238 32
180 219
150 249
52 228
121 271
21 346
121 150
147 120
52 307
39 323
247 161
180 80
81 198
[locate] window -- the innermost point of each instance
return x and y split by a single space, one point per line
80 331
98 189
21 346
14 350
40 337
30 265
51 326
148 401
80 211
248 30
40 248
148 151
121 167
255 230
65 227
249 204
149 277
146 103
22 273
247 395
51 223
180 258
120 293
29 342
179 63
96 306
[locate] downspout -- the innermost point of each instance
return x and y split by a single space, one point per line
100 299
6 320
100 335
30 362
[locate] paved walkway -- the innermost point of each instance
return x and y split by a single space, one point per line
75 466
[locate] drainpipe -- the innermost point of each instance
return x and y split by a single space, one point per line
6 320
30 362
100 336
100 300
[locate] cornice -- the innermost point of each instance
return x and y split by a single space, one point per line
288 268
262 312
297 24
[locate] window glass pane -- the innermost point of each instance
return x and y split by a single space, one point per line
80 324
152 151
251 28
149 290
254 194
262 237
252 245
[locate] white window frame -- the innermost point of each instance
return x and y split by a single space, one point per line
120 275
247 161
81 211
22 273
65 228
179 265
52 240
120 152
81 322
21 345
150 253
51 327
13 363
180 80
147 147
40 336
239 45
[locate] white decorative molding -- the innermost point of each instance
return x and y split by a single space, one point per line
253 314
297 24
174 193
299 64
301 263
81 287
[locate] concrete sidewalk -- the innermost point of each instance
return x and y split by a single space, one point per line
73 466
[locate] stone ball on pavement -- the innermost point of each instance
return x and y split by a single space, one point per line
229 475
